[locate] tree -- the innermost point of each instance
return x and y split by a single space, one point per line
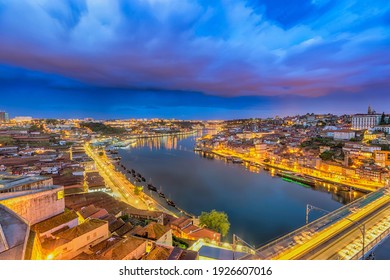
102 128
35 128
327 155
383 121
7 140
52 121
215 220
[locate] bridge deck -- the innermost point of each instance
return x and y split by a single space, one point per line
304 235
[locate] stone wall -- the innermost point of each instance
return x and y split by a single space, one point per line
37 206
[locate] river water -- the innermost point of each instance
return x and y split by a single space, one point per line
260 207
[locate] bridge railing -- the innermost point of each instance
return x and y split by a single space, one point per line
272 249
371 245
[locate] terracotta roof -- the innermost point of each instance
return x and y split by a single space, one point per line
116 225
158 253
60 230
109 218
121 249
103 200
99 214
99 249
205 233
168 219
103 246
67 180
190 229
88 211
124 229
81 229
180 254
181 222
55 221
153 231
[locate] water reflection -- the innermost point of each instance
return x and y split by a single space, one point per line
341 194
259 203
164 142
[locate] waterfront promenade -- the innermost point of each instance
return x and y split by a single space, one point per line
310 173
121 186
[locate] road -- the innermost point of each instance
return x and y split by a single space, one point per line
339 230
348 244
121 185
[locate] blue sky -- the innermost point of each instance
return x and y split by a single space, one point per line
193 59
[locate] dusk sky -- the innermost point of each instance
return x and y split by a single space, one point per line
193 59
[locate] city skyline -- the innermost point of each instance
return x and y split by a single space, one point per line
193 59
195 130
12 117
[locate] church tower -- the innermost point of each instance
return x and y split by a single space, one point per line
369 110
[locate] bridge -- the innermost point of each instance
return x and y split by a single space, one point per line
349 232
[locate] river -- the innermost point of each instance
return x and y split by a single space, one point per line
260 206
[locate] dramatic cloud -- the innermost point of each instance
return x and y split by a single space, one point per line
226 48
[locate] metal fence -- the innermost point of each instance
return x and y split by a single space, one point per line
371 245
287 241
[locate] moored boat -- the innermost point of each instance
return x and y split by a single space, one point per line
237 160
171 203
152 188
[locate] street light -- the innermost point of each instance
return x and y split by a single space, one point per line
310 207
362 229
361 226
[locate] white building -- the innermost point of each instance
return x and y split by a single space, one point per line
365 121
344 134
384 128
23 119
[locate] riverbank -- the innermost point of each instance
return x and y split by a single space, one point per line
253 201
159 135
122 185
359 187
148 187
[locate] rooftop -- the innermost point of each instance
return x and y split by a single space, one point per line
180 254
9 195
181 222
104 200
81 229
205 233
8 182
63 237
13 233
123 248
153 231
88 211
116 225
55 221
158 253
124 229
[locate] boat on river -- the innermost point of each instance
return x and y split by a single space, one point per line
301 180
171 203
237 160
152 188
160 193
